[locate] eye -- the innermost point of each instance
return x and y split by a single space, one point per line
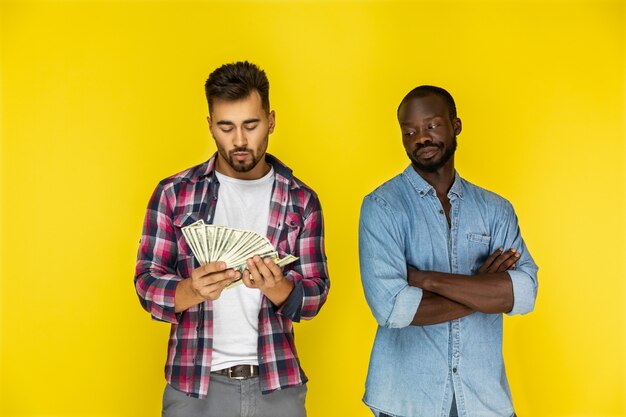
408 134
250 128
226 130
433 125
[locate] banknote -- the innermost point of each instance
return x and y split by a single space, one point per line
212 243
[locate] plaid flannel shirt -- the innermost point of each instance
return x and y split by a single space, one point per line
295 226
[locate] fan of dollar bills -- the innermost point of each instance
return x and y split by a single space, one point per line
212 243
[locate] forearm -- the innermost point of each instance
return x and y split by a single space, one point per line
280 292
306 298
185 297
490 293
157 293
435 309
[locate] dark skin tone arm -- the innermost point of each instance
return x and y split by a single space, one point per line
451 296
435 309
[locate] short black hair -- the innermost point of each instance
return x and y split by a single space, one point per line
236 81
431 90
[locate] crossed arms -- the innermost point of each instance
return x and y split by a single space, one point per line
447 297
399 295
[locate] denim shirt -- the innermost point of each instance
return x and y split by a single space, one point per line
415 370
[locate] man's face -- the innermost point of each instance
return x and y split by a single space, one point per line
428 134
241 129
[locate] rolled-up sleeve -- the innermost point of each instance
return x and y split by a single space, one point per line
524 276
383 265
524 292
155 274
310 273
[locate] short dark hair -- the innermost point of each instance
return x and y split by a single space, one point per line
236 81
431 90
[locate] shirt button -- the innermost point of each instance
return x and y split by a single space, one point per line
440 211
454 370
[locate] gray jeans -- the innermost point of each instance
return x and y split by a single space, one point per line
235 398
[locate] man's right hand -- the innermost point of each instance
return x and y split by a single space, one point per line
205 283
500 261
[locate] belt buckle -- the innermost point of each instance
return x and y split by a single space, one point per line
230 373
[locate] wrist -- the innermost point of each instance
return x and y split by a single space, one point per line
185 296
279 293
418 278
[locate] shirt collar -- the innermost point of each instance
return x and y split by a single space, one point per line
423 188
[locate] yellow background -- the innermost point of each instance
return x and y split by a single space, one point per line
100 100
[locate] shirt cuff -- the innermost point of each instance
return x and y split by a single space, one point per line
163 304
292 307
404 308
523 293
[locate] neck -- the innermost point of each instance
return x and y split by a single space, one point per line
441 180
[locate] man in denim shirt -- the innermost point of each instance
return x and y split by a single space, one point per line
441 260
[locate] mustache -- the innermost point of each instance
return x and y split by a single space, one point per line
239 149
420 146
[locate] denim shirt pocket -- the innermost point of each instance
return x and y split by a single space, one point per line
479 238
478 245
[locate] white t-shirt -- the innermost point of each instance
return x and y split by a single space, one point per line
242 204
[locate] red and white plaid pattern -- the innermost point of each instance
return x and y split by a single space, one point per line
295 227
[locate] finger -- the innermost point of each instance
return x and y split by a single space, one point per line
509 263
263 269
214 290
500 260
223 277
209 268
257 278
274 269
247 279
490 260
271 272
269 280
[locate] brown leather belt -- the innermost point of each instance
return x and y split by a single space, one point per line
239 371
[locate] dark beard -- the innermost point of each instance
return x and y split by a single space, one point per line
432 166
240 166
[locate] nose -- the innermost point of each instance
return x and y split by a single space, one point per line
423 136
240 139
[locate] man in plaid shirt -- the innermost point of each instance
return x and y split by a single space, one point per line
231 352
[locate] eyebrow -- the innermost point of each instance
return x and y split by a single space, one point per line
426 119
230 123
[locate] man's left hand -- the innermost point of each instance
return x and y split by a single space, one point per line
265 275
262 273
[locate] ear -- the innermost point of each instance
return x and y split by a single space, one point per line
210 121
271 119
457 126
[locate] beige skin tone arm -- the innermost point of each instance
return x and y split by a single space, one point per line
451 296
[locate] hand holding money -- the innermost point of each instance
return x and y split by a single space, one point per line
205 283
209 280
211 243
267 276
